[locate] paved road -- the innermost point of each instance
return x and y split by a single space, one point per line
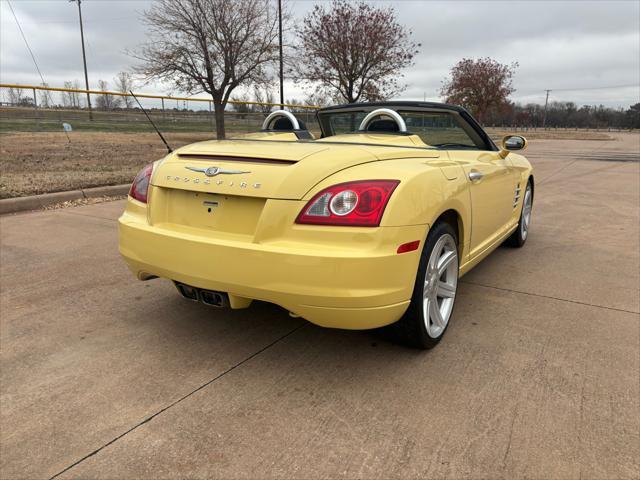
538 376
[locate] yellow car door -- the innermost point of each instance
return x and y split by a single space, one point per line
492 183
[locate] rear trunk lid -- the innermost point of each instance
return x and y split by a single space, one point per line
263 169
266 169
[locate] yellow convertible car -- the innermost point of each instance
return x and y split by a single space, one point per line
370 225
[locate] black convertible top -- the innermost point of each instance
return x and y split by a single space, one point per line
323 114
395 103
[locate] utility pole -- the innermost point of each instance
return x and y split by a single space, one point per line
281 65
546 102
84 59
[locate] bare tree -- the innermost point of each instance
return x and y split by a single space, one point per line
71 99
124 83
633 116
265 97
294 105
213 46
78 101
479 85
67 96
241 106
355 49
45 100
15 96
318 98
106 101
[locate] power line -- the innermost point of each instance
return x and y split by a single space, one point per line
26 43
536 93
596 88
54 22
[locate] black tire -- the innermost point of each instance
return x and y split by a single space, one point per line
518 238
411 330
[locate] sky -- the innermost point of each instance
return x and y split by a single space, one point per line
587 52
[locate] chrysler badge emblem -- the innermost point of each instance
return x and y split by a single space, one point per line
213 171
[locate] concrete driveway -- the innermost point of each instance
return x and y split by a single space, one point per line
538 376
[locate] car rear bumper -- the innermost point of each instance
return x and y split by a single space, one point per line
364 285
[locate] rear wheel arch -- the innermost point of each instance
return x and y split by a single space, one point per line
432 300
453 218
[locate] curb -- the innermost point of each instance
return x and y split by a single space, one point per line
35 202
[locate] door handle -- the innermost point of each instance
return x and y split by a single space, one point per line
475 175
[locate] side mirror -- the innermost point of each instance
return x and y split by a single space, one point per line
512 143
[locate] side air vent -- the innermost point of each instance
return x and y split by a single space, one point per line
516 196
223 158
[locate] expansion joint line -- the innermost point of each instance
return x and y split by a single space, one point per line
204 385
550 297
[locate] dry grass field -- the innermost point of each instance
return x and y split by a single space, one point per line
34 163
498 133
41 162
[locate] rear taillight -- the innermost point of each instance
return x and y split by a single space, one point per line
356 204
140 186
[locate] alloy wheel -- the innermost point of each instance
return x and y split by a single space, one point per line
526 213
440 285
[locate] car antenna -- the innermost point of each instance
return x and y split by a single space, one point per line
151 121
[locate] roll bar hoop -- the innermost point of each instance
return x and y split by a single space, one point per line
280 113
383 112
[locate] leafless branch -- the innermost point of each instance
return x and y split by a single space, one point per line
211 46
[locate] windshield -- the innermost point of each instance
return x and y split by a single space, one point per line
443 129
437 129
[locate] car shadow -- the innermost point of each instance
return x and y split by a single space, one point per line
265 324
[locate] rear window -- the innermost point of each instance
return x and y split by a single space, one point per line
346 122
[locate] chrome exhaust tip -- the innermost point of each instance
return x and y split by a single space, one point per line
214 299
208 297
187 292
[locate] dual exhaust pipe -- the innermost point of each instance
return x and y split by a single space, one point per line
208 297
